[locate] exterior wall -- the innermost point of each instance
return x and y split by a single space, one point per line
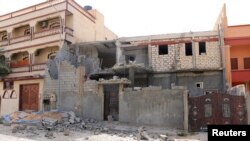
153 106
11 105
163 62
69 88
212 81
210 60
109 35
240 52
237 31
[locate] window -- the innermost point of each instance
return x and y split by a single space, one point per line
163 49
199 85
129 58
8 85
247 63
226 110
208 110
188 49
234 63
202 48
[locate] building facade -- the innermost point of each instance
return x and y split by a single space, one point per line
186 59
236 52
31 36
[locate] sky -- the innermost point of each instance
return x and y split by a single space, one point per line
149 17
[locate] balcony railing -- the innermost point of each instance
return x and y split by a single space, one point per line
19 64
38 67
20 69
40 34
20 39
47 32
4 43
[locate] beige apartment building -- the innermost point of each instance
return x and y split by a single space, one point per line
31 36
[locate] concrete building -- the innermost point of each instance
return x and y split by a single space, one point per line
236 50
186 59
31 36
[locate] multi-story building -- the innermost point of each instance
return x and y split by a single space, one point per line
31 36
236 51
184 59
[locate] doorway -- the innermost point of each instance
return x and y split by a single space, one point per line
29 97
111 101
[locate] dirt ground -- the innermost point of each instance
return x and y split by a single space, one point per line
111 131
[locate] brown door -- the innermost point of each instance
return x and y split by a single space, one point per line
216 108
29 97
111 101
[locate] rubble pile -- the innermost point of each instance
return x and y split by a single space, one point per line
68 123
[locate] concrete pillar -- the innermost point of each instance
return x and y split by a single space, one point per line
132 76
149 55
185 103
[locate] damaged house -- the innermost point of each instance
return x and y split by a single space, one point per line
144 80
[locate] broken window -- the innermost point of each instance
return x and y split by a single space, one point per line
129 58
163 49
188 49
202 48
247 63
234 63
208 110
226 110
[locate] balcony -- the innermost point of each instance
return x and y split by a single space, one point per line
241 75
20 66
40 37
47 32
20 39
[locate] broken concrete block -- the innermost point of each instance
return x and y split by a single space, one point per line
65 115
72 114
142 134
78 120
22 127
22 115
72 120
14 130
49 121
164 137
66 132
49 135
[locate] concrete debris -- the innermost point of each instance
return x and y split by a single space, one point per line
66 132
142 134
49 135
164 137
67 123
